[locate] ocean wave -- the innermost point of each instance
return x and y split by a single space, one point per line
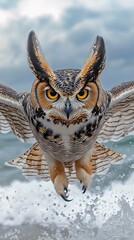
36 202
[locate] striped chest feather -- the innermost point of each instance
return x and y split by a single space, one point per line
66 141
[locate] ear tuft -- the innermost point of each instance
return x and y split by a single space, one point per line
95 63
37 63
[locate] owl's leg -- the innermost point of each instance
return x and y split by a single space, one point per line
59 179
83 172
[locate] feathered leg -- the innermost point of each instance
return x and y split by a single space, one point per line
83 172
59 179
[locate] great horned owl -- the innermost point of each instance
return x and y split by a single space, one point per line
67 115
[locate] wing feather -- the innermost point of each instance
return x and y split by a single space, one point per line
119 120
12 115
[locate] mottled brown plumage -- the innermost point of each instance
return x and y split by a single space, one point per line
67 115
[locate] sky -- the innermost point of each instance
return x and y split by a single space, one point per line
66 31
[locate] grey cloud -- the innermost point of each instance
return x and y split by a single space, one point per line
119 20
120 35
20 79
75 15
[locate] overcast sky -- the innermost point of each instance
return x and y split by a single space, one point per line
66 30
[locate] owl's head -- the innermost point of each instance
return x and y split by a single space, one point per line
70 93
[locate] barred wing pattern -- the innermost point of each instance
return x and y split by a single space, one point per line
33 163
103 157
12 116
119 120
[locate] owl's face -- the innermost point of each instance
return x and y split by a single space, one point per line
66 95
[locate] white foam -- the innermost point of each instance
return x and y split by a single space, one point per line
36 202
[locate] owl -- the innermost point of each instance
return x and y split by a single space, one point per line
67 116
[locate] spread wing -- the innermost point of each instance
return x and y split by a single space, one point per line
119 120
12 115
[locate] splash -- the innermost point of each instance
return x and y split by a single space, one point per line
36 202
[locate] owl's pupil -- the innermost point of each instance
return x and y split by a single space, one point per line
52 92
81 93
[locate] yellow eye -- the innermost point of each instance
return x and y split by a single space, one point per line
52 95
83 94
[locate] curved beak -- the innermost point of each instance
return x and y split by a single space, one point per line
68 108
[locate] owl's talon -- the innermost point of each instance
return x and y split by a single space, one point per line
66 198
83 173
66 195
84 189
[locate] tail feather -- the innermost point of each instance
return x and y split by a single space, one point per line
33 163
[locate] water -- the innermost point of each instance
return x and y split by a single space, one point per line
32 210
